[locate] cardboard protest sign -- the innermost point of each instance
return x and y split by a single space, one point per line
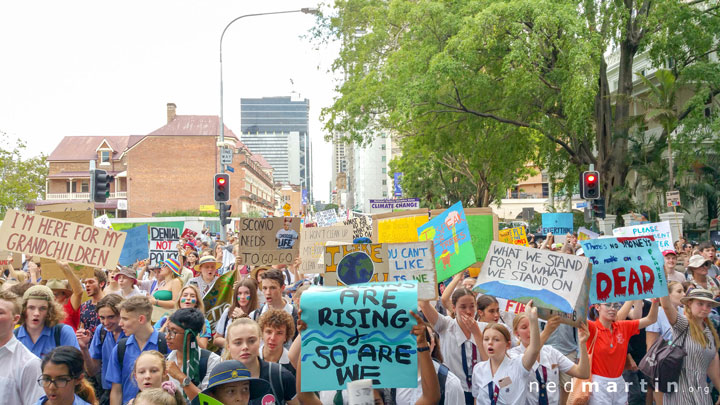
163 244
559 223
398 227
660 231
136 246
483 226
450 234
267 241
362 226
326 218
715 239
625 269
79 206
188 234
312 245
414 261
358 332
56 239
586 234
554 281
513 236
355 264
81 213
15 260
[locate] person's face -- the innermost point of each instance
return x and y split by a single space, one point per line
218 251
36 313
608 312
523 331
676 294
243 296
60 296
465 305
165 271
700 309
490 314
234 393
208 270
244 343
192 258
112 274
60 373
149 372
494 343
130 322
125 281
188 299
272 291
274 337
108 319
175 335
468 283
701 271
709 253
286 226
7 319
670 261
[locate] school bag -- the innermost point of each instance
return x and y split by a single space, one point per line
442 374
275 380
56 331
664 361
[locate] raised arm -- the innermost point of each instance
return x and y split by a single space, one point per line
651 318
582 369
533 350
624 311
428 376
429 311
446 299
670 310
550 326
73 283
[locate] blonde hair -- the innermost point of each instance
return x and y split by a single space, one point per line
235 324
516 321
139 305
13 299
696 332
158 396
153 353
200 304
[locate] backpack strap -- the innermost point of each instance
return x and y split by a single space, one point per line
103 335
121 346
258 312
204 357
57 332
442 379
276 382
162 344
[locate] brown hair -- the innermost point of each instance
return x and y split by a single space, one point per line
55 313
100 276
459 293
697 333
13 299
253 304
111 301
72 358
236 323
502 329
200 304
485 301
277 318
276 275
139 305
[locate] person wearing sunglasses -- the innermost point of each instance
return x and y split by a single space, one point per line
63 379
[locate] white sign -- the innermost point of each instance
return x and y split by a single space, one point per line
226 156
414 261
673 198
659 230
326 218
163 244
312 245
122 205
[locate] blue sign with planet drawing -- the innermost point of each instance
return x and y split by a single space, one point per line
357 332
355 264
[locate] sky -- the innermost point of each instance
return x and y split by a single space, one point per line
73 68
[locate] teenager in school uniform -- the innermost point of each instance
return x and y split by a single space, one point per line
501 379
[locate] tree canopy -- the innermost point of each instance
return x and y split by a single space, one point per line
22 180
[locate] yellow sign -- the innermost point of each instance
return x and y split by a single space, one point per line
399 229
287 213
286 207
208 208
515 236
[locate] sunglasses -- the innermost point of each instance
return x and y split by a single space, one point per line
614 305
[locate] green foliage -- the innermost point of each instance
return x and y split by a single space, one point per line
330 207
187 213
22 180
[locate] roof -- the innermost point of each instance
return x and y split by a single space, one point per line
63 175
85 147
260 160
193 125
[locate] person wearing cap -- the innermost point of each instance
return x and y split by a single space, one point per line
207 267
40 328
184 362
698 267
127 280
671 274
694 331
231 384
169 286
68 293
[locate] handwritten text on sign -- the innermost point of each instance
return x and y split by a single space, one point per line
625 269
56 239
163 244
312 244
658 230
358 332
450 234
513 236
267 241
414 261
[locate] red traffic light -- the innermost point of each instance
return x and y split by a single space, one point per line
221 181
591 178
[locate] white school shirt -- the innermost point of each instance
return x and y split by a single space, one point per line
213 361
453 391
554 362
19 374
452 341
513 375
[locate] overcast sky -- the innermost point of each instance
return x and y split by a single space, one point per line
72 68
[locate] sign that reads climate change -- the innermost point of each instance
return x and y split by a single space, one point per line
163 244
660 231
359 332
554 281
625 269
267 241
395 204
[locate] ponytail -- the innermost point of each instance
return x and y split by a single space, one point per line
85 391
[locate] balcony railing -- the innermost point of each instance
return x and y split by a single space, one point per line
81 196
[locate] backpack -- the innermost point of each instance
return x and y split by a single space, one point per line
257 312
122 345
56 331
442 374
664 361
275 380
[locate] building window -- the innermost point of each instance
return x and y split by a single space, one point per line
384 193
384 147
545 190
384 170
85 187
514 192
104 157
383 158
384 182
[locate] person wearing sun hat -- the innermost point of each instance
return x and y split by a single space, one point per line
698 268
207 267
168 289
127 280
231 383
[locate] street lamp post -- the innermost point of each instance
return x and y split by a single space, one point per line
305 10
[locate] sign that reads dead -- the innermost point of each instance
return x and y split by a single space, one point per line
268 241
56 239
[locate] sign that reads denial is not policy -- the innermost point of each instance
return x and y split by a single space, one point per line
359 332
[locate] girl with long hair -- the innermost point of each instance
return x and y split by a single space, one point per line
63 378
244 301
150 372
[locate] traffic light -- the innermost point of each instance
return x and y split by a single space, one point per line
598 207
590 187
222 187
225 214
100 185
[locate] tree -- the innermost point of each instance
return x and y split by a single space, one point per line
22 180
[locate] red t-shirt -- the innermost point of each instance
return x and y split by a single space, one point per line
72 315
610 353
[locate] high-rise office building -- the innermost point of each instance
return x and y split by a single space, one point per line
277 128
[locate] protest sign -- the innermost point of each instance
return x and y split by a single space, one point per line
355 264
163 244
586 234
267 241
136 246
360 392
715 239
660 231
554 281
326 218
559 223
483 226
362 226
56 239
82 213
450 235
625 269
312 245
15 260
103 221
398 227
188 234
414 261
513 236
358 332
394 204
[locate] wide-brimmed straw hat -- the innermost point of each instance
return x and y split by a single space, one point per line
127 272
699 294
58 285
207 259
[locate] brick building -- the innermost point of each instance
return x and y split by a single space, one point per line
169 169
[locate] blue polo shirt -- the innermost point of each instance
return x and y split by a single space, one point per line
103 351
46 341
77 401
132 352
